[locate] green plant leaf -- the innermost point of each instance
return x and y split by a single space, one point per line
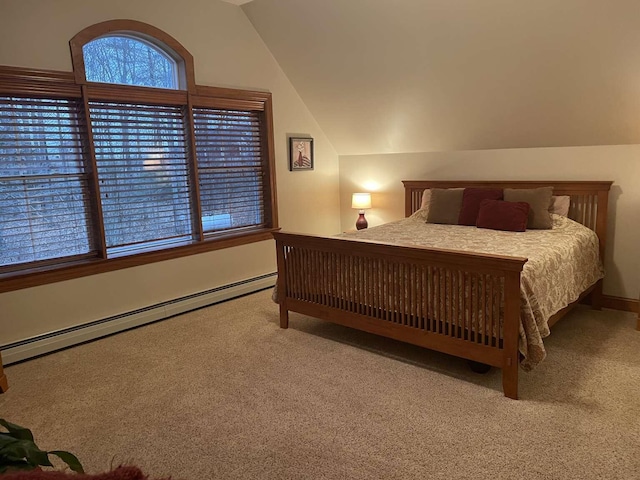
17 431
6 439
12 447
70 459
27 450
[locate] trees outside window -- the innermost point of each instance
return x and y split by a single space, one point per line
43 182
128 60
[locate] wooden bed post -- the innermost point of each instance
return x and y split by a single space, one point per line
282 284
596 296
284 316
511 334
601 231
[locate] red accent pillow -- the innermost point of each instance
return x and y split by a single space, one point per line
471 198
500 215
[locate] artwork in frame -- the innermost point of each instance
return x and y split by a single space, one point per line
300 154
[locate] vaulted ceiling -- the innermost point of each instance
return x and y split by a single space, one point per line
423 75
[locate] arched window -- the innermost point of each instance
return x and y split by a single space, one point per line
128 52
129 60
127 157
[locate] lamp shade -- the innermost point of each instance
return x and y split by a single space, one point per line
361 201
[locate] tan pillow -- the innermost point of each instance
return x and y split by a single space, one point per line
539 200
445 205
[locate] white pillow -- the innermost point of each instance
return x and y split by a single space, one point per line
426 199
560 205
423 212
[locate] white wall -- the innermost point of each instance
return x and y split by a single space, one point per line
382 175
228 53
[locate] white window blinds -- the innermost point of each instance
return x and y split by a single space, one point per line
141 157
230 168
44 212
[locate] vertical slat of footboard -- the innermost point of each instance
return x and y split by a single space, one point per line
441 295
467 303
460 302
483 310
384 286
456 286
470 308
365 292
450 321
476 312
463 301
307 260
355 286
421 293
432 293
490 310
351 292
315 260
342 284
376 285
400 295
495 313
394 296
324 281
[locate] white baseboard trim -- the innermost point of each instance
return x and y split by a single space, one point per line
50 342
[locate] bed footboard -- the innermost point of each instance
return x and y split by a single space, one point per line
464 304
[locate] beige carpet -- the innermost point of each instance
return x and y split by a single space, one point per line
223 393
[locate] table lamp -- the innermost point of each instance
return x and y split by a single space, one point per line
361 201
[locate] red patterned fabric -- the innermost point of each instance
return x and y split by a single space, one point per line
500 215
471 199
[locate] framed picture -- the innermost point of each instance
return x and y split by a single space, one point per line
300 154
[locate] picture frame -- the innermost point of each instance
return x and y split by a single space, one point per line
300 154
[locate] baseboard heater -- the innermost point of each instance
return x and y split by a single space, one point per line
50 342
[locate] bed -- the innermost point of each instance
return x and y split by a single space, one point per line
465 303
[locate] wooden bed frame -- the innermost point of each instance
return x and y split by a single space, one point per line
423 295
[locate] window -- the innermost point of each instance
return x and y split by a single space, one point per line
43 183
141 155
128 61
126 161
229 153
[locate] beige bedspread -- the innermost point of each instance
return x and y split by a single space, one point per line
563 262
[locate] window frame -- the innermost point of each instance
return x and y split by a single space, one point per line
54 84
134 29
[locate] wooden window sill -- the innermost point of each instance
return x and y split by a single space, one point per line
56 273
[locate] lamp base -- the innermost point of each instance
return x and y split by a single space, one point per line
361 223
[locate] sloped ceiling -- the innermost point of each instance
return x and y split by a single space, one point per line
423 75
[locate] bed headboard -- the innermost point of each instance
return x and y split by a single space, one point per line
589 199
